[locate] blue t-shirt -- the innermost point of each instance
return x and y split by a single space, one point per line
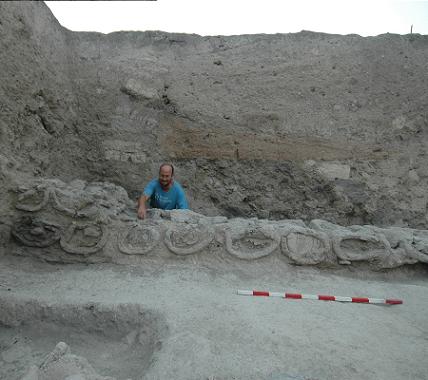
166 200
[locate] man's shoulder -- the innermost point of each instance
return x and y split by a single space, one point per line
178 186
152 185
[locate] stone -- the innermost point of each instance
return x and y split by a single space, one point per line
69 204
383 248
139 239
137 89
333 170
252 242
361 247
185 216
306 247
33 200
188 239
60 350
420 241
36 233
75 240
125 151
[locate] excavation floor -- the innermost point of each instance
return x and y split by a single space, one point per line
210 332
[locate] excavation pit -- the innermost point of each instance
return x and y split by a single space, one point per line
117 340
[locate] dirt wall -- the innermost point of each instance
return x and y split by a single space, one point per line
305 125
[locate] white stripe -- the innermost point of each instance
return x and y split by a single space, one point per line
376 300
343 299
276 294
309 296
245 292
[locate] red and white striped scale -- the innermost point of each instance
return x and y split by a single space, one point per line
320 297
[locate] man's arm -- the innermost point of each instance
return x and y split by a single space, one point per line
142 206
148 192
181 200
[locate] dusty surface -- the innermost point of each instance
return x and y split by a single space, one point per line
206 331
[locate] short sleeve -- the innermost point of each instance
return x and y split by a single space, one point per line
181 199
150 188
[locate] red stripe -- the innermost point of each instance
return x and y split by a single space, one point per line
292 295
259 293
394 302
327 298
360 299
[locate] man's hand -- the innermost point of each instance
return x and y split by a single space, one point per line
141 212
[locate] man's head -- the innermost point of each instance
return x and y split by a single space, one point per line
166 172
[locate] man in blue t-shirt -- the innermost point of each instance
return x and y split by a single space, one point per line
163 193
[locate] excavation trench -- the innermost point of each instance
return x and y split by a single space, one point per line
117 340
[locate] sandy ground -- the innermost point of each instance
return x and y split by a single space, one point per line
209 332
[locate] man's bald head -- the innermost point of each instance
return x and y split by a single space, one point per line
166 171
166 165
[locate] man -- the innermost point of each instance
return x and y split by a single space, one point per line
164 192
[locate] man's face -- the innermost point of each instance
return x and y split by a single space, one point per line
165 176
